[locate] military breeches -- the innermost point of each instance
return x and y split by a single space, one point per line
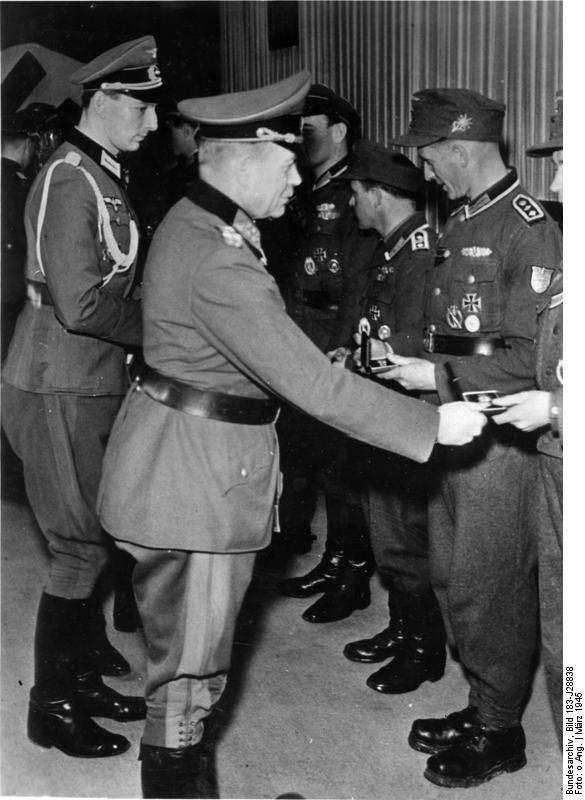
544 495
398 496
482 565
188 603
61 439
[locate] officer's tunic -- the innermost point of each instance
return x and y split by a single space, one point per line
391 307
206 489
544 498
495 264
64 377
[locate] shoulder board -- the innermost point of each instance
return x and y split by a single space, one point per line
419 239
527 208
556 300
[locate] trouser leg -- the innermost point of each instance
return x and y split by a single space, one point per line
546 495
482 570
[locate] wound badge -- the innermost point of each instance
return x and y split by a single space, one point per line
540 279
454 317
310 267
334 266
472 323
384 332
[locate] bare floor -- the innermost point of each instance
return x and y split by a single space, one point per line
297 716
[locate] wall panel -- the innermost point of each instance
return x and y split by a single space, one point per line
377 53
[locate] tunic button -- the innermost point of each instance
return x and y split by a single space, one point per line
436 290
471 279
432 328
244 472
555 330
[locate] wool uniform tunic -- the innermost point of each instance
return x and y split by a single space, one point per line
495 264
391 307
64 376
192 497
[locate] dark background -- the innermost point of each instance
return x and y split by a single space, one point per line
187 35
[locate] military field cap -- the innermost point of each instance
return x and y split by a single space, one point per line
438 114
555 139
323 100
129 68
373 162
271 113
30 120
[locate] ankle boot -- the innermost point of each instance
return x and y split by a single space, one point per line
57 723
435 735
422 655
54 720
103 655
341 600
95 699
385 644
320 578
180 772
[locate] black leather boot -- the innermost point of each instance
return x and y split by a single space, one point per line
103 655
180 772
54 718
57 723
422 655
350 593
95 699
383 645
437 735
478 757
320 578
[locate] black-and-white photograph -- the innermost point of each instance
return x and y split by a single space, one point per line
282 402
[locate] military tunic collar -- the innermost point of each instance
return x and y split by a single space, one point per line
496 191
334 171
216 202
397 238
108 162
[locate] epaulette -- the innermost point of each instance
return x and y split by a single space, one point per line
527 208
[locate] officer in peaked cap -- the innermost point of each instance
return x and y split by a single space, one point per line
386 186
496 261
191 472
319 270
542 409
64 379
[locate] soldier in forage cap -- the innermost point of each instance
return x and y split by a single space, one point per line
541 410
496 261
321 268
191 473
64 379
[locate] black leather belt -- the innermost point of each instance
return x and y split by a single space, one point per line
42 291
214 405
460 345
316 299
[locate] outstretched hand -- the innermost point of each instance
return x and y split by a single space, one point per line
526 411
459 423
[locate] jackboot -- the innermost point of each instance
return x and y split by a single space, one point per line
351 592
422 655
437 735
103 655
383 645
94 698
320 578
181 772
54 718
478 757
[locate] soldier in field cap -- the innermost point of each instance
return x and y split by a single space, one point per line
496 261
191 472
63 382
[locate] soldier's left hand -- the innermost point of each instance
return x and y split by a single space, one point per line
526 411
